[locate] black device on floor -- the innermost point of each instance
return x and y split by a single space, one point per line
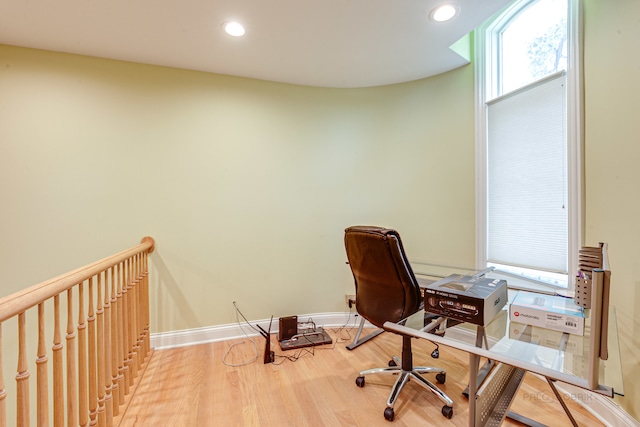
287 327
304 337
269 355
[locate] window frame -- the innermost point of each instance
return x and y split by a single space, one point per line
486 84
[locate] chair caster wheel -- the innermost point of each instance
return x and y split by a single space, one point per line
360 381
388 414
392 363
447 411
441 378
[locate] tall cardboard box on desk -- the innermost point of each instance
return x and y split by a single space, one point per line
547 311
471 299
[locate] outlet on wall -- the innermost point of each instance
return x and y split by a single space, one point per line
349 299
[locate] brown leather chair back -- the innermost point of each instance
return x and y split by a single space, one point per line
386 288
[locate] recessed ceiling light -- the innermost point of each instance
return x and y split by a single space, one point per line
443 13
233 29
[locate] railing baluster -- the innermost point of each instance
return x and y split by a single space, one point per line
135 349
91 320
115 389
22 377
58 375
42 373
123 378
126 292
83 401
126 296
106 356
100 316
145 305
72 381
139 316
3 392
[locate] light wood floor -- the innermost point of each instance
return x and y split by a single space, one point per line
191 386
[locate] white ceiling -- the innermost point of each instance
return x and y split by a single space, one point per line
327 43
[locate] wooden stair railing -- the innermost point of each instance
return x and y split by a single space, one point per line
105 346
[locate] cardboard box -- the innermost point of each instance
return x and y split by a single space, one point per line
470 299
547 311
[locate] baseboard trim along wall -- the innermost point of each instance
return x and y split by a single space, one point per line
603 408
166 340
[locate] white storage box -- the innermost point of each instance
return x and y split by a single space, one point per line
547 311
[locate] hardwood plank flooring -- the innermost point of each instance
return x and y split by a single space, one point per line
192 386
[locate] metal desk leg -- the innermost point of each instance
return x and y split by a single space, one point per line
495 395
481 337
561 400
474 361
357 341
481 375
489 403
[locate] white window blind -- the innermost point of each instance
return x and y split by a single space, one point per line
527 184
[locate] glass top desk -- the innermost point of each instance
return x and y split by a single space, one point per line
512 349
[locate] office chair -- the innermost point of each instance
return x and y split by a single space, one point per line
387 291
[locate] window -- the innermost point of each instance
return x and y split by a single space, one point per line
528 139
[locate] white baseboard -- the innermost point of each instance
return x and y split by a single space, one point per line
165 340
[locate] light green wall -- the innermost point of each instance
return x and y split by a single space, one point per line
246 185
612 148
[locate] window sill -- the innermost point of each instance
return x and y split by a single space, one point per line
521 284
